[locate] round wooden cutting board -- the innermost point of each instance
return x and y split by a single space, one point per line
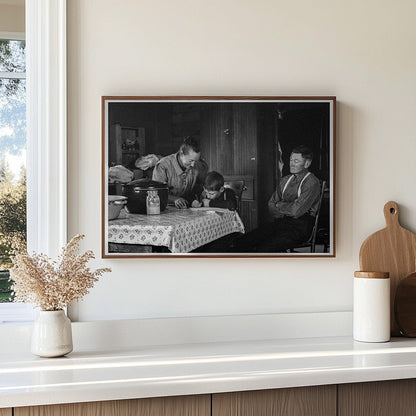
392 250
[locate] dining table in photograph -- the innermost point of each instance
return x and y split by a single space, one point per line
180 230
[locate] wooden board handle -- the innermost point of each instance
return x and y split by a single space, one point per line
391 214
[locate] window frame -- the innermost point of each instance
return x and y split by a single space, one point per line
46 138
46 125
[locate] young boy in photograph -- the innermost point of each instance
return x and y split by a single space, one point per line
215 194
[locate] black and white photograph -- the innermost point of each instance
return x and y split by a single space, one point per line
218 176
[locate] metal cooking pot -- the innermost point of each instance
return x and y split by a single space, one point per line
136 193
115 204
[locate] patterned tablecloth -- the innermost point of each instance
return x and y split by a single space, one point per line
180 230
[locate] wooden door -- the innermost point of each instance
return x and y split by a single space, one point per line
160 406
229 146
381 398
300 401
5 412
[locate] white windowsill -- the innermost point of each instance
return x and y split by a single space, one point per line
16 313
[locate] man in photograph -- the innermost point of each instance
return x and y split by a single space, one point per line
184 172
293 207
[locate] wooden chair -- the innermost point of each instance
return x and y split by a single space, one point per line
238 186
311 242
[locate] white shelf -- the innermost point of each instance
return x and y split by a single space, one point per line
166 370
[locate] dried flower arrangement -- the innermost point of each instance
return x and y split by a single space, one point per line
53 285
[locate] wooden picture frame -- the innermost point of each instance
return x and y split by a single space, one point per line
249 141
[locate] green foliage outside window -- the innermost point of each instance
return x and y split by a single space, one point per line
6 294
12 223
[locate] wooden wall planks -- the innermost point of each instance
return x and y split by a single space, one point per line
160 406
300 401
382 398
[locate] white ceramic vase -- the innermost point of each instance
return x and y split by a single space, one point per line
52 334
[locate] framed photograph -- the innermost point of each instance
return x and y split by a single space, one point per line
218 176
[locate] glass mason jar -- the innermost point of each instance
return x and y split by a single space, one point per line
152 202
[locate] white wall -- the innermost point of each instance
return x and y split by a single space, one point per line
12 17
363 52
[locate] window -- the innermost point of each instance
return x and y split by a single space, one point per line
12 155
12 166
46 135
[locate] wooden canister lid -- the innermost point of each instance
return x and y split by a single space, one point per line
372 275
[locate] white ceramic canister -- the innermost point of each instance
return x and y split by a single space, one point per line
371 309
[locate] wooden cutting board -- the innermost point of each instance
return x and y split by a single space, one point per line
393 250
405 305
